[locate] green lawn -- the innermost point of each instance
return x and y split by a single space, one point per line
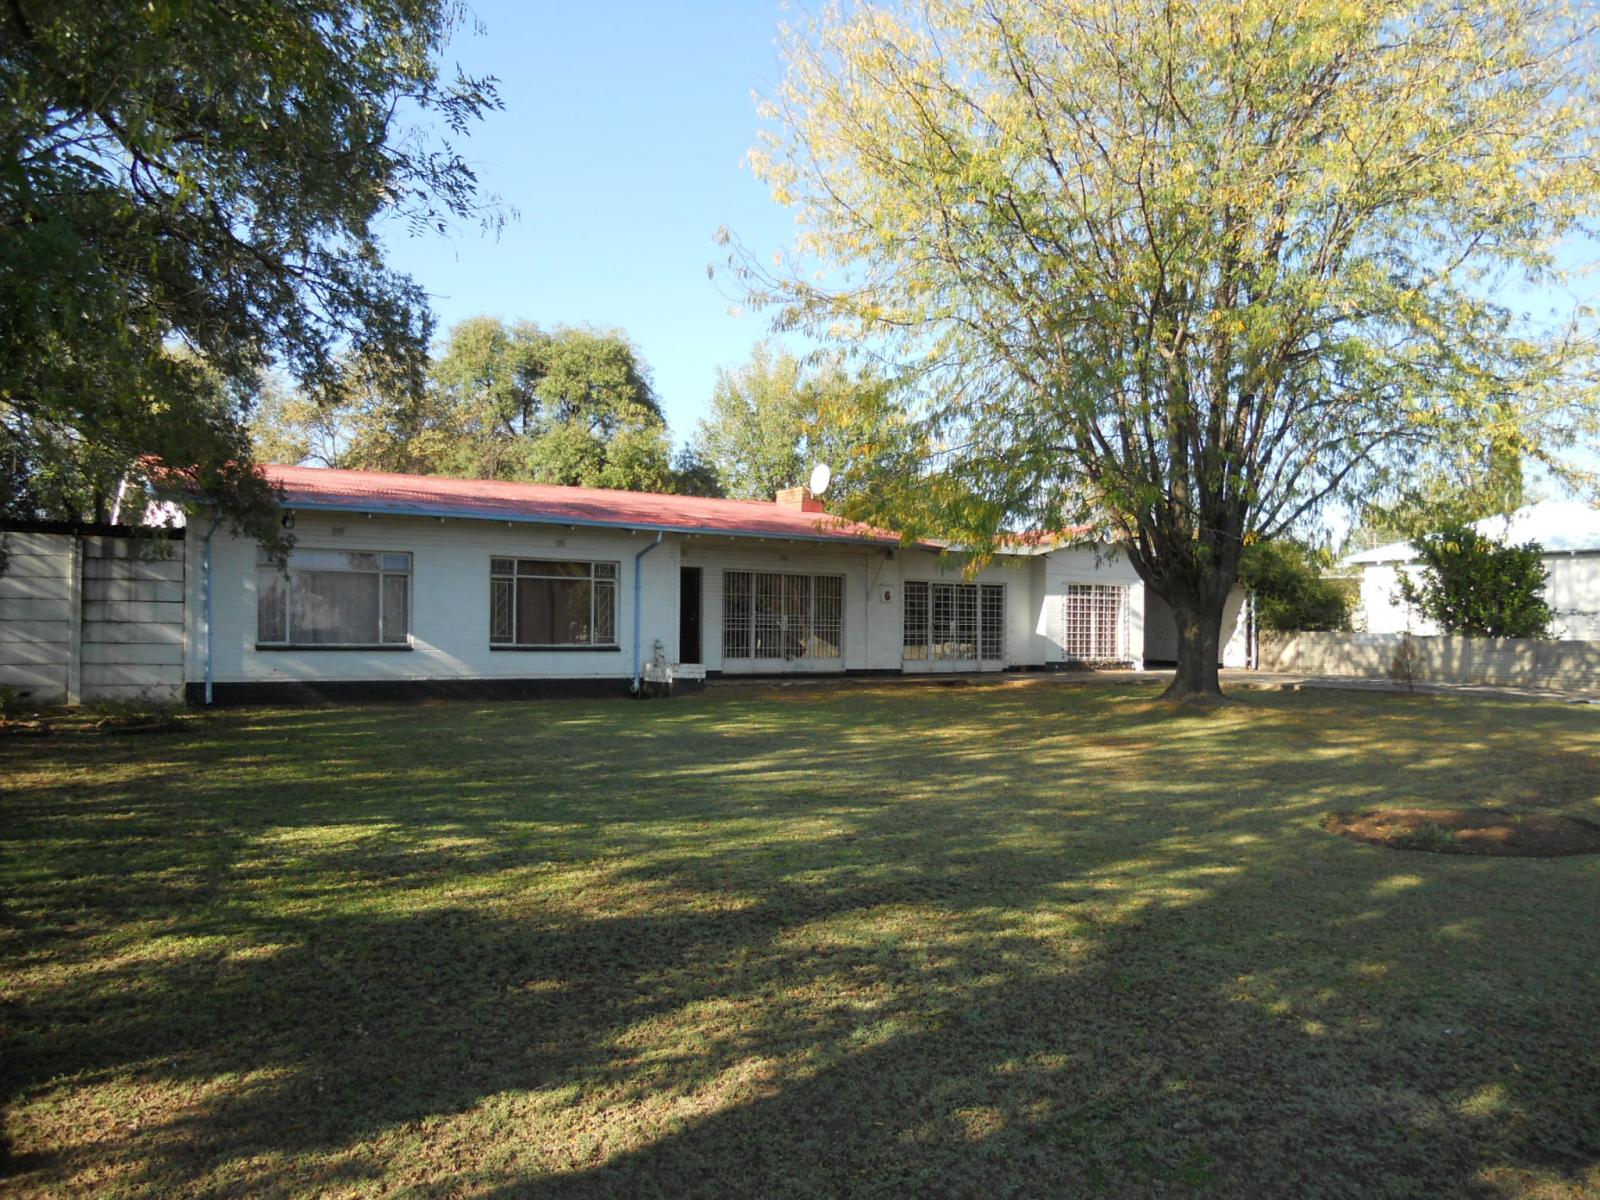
1020 939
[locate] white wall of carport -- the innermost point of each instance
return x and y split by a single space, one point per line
874 579
1086 564
1573 593
1019 575
449 597
866 620
1161 631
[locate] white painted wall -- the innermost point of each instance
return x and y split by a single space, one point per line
1236 630
1086 564
1019 575
1161 631
1573 592
873 594
863 622
1381 610
449 602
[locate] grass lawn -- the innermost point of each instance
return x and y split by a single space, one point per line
1019 939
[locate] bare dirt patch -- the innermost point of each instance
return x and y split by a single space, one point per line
89 721
1469 831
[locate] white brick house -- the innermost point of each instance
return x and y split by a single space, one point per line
401 584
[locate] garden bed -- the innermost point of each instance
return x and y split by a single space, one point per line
1486 831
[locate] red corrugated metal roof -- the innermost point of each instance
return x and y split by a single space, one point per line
486 499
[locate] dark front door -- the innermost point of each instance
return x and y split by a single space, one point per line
689 615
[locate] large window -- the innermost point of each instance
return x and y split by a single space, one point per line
772 616
1093 620
953 622
542 603
334 598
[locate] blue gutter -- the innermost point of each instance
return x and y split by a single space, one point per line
638 614
292 505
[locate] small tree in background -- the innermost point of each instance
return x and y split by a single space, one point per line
1291 588
1406 664
504 400
1473 585
776 416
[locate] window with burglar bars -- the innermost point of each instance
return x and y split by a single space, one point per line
776 616
540 603
1093 617
946 622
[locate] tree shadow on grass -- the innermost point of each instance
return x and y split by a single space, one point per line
770 961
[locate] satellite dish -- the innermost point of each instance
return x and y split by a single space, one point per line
821 476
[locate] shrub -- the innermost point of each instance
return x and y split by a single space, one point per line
1405 663
1291 590
1472 585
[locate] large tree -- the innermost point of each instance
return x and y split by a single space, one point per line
1439 493
503 400
208 178
1185 267
776 416
570 405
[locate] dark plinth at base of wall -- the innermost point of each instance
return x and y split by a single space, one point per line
1088 666
366 691
850 673
657 689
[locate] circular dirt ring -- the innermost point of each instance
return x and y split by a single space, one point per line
1485 831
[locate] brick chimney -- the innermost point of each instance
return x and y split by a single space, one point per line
800 499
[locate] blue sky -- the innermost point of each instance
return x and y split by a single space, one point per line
622 146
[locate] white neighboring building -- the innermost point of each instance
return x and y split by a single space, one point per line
405 583
1570 535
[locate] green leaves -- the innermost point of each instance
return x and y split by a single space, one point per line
1292 590
571 406
1473 585
210 176
501 401
755 435
776 416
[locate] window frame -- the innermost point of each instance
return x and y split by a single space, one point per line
602 572
754 626
958 609
287 570
1098 620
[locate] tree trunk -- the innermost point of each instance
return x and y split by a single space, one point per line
1199 622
